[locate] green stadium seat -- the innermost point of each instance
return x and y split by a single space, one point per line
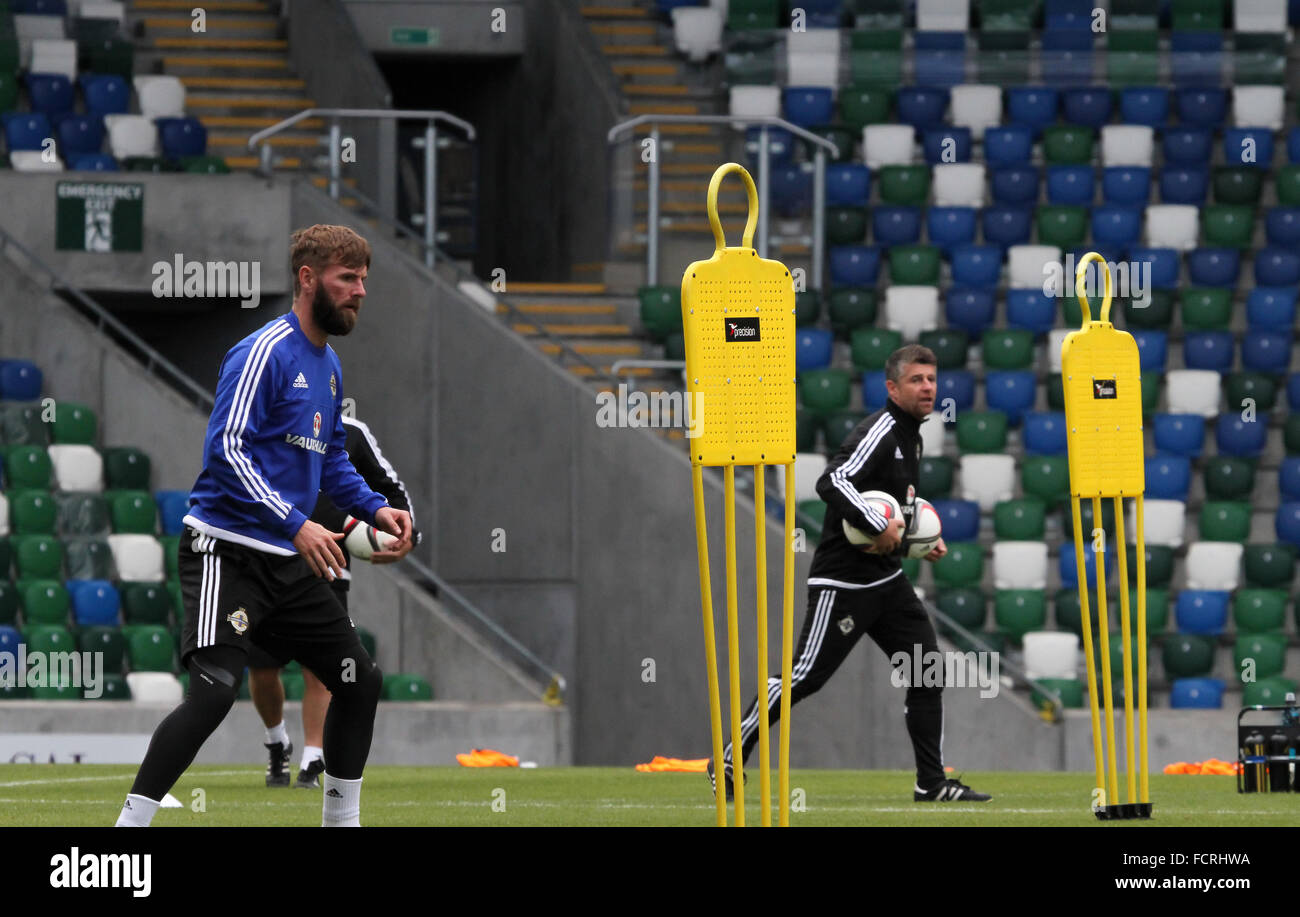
1228 477
841 136
64 690
1205 308
1258 387
1267 692
1157 313
914 265
1150 391
675 346
816 511
114 55
1009 348
963 565
753 14
204 165
8 601
863 105
21 425
965 605
751 61
1008 15
1004 57
982 431
28 468
878 14
1068 690
1055 392
8 91
1287 183
145 603
873 67
150 647
48 638
661 310
402 686
31 512
934 479
1159 564
38 557
1087 521
1238 185
845 225
871 347
1265 653
82 514
294 685
1130 67
1258 66
45 601
74 424
807 307
806 426
1020 520
1225 520
1067 144
1197 15
851 308
133 512
1067 613
949 346
906 185
1228 225
1291 433
178 605
876 39
116 688
89 557
911 567
1258 611
126 468
1187 656
824 391
107 640
837 428
1046 477
1269 566
1064 226
367 641
1157 609
1019 611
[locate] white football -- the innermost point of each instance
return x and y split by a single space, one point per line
926 529
363 540
884 504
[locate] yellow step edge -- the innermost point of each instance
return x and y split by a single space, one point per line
280 140
589 267
228 44
268 63
712 149
687 168
681 184
608 370
184 22
694 207
601 350
665 129
545 287
252 162
576 330
320 181
622 29
634 50
254 121
667 108
215 6
645 69
614 12
247 102
641 89
562 308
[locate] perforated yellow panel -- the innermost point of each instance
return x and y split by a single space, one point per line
1102 381
739 324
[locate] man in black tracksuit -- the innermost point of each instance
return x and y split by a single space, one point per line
851 592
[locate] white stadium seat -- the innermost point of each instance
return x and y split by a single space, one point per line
1127 145
1055 338
1193 391
697 31
812 58
932 436
29 28
1165 520
887 144
101 10
33 161
1051 654
911 310
154 688
1260 16
1214 565
160 96
139 558
958 184
1019 564
755 101
808 467
54 55
4 515
943 15
1258 106
977 107
1028 266
131 135
79 468
1173 226
988 479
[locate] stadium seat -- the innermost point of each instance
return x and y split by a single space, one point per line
1287 523
1201 611
37 557
805 440
128 468
982 431
904 185
844 225
1019 520
933 435
1213 267
1266 351
77 468
1205 308
107 640
955 390
1257 106
1070 185
948 345
914 265
182 137
976 107
837 428
1187 146
1067 144
131 136
1032 105
406 687
854 265
848 184
1172 226
1288 478
959 184
1191 391
133 512
1168 477
851 308
1214 565
32 512
911 309
887 144
861 105
138 557
1012 144
45 601
1006 226
896 225
1267 692
1153 349
975 266
1051 654
1208 350
965 605
816 511
921 106
807 307
934 479
1228 225
1186 655
157 687
1282 227
1011 392
1163 265
824 391
1089 106
1164 521
969 309
25 130
1196 693
1248 146
1008 349
1044 433
1259 611
963 565
1020 565
1269 566
1015 185
1130 145
1146 105
808 467
1259 655
1202 106
960 518
1228 477
875 394
987 479
172 507
1019 611
95 603
145 603
1287 183
1046 477
946 145
1237 185
1277 267
1225 520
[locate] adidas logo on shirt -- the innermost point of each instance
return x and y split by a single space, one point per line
300 382
898 453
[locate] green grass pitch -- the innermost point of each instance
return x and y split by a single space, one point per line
91 795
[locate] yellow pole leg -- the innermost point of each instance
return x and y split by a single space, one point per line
710 642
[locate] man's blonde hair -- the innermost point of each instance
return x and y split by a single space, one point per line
321 245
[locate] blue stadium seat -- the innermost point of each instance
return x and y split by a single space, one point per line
1282 227
937 40
1184 185
80 134
172 507
1201 611
1286 523
780 145
1208 350
791 190
875 394
854 265
1015 184
93 162
950 227
1031 105
1293 146
1007 226
20 380
41 7
105 94
970 309
1293 391
1153 349
25 130
1266 351
1068 15
808 106
1045 433
848 184
1288 477
1011 391
1012 144
921 106
1237 150
1213 267
976 265
1116 225
1032 310
9 640
1191 64
1070 184
813 348
1196 694
937 141
1271 308
1147 105
1201 106
1067 57
824 14
1164 263
95 603
1187 146
1126 185
1180 434
957 384
1089 105
960 519
51 93
939 68
899 225
1168 476
1067 566
1236 436
1277 267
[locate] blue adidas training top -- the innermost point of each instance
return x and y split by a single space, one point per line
275 440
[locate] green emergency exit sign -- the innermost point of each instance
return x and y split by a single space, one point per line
410 36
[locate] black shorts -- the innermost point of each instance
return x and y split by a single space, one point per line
259 658
237 596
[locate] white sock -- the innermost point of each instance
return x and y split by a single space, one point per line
137 812
342 805
278 734
311 753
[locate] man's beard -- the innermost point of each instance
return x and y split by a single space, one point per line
330 318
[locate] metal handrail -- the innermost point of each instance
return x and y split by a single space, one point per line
105 322
431 119
820 145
